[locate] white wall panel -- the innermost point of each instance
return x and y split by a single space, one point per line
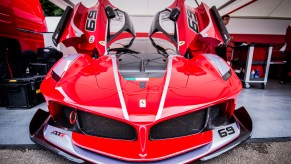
262 9
258 26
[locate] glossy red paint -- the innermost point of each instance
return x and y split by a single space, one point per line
138 151
208 33
92 85
188 88
86 76
102 99
24 21
75 29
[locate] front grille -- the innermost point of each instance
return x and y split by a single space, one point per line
104 127
180 126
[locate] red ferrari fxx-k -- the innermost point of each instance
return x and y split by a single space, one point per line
127 97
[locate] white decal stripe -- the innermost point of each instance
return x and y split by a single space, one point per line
206 29
106 31
117 82
165 90
177 36
77 30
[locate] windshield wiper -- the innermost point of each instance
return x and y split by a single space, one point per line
161 50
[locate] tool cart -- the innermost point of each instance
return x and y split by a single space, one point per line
252 62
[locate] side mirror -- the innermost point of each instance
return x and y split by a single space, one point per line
109 12
174 15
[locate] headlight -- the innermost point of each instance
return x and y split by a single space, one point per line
220 65
62 66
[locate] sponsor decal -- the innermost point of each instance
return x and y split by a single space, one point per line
37 91
192 21
91 38
91 21
102 43
181 43
57 133
142 103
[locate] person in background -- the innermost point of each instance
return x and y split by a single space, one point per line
225 19
287 66
225 52
229 48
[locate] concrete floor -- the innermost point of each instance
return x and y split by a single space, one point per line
268 108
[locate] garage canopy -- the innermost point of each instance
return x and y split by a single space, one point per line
272 9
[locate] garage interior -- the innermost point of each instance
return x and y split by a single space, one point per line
257 24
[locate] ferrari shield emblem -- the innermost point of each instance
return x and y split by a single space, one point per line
181 43
142 103
102 43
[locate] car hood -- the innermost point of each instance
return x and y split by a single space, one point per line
97 86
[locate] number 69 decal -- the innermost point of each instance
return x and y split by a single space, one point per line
226 131
91 20
192 21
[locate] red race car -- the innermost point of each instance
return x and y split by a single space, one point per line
127 97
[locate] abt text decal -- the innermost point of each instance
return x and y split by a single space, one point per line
57 133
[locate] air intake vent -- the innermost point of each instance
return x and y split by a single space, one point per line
104 127
180 126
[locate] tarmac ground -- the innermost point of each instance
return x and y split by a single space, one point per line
246 153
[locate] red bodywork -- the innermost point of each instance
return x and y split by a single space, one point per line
97 87
85 77
77 36
23 20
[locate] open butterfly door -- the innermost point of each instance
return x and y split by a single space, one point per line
91 30
196 30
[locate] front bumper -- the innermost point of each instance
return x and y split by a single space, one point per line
61 143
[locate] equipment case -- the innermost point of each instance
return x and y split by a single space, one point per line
21 92
39 68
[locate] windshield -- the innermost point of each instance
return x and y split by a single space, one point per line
145 45
143 59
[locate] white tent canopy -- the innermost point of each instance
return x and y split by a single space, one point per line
269 17
273 9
